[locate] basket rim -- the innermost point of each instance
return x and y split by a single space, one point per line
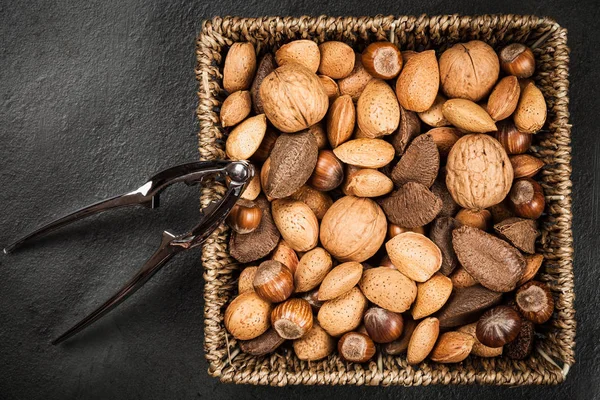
219 31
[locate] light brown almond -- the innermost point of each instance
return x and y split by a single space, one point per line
315 345
504 98
318 131
419 82
319 202
452 347
343 314
354 84
530 114
331 88
235 108
239 68
245 138
305 52
253 189
297 223
462 279
312 268
433 116
479 349
533 262
388 288
285 255
247 316
469 116
337 59
366 153
367 183
246 279
422 340
415 255
377 110
340 121
340 280
444 138
431 295
525 165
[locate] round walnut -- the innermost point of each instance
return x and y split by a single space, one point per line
469 70
479 173
293 98
353 229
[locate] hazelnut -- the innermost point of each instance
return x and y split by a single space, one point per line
386 262
383 326
535 302
245 216
292 319
382 60
517 59
498 326
395 230
527 198
476 218
400 345
356 347
328 173
513 140
273 281
313 299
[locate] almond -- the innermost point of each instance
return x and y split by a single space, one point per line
533 263
479 349
525 165
246 279
452 347
343 314
340 120
504 98
444 138
340 280
354 84
415 255
247 316
367 183
252 189
312 269
239 68
431 295
315 345
285 255
331 88
377 109
469 116
297 223
366 153
419 81
235 108
462 279
422 340
319 202
388 288
433 116
245 139
305 52
530 114
337 59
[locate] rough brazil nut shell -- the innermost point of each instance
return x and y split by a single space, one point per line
293 160
478 172
343 314
411 206
265 67
408 128
420 163
440 233
388 288
491 261
266 343
466 305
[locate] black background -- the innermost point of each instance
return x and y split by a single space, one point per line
98 95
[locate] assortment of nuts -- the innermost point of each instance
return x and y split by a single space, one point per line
395 209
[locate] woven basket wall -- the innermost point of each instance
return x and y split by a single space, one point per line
554 349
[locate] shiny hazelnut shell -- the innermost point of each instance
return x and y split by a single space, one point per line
313 299
395 230
245 216
356 347
328 173
526 198
382 60
513 140
273 281
535 302
383 326
498 326
480 219
518 60
292 319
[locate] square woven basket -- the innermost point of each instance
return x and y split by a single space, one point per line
554 350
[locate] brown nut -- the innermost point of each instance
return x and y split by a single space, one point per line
253 189
530 114
481 219
525 165
245 216
318 131
235 108
431 295
400 345
246 280
245 139
388 288
340 280
532 266
313 299
444 138
297 223
422 340
520 232
292 319
312 269
419 81
513 140
469 70
468 116
517 59
319 202
331 88
273 281
265 67
247 316
356 347
365 152
328 173
304 52
264 150
337 59
395 230
264 344
340 121
522 346
535 302
433 116
504 98
462 279
377 110
367 183
527 198
382 60
452 347
344 313
354 84
415 255
285 255
383 326
239 68
480 349
498 326
315 345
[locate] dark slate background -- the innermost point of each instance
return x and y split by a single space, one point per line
98 95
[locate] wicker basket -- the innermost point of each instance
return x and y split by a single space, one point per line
554 350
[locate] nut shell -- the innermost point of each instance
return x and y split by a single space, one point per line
431 295
246 280
337 59
526 198
318 201
419 163
422 340
292 319
239 67
504 98
340 121
498 326
388 288
525 165
382 60
480 349
235 108
518 60
245 139
377 110
315 345
285 255
344 313
513 141
419 81
273 281
312 269
328 173
452 347
383 326
304 52
354 84
297 223
356 347
535 302
367 183
244 217
340 280
411 206
365 152
468 116
415 255
247 316
530 114
433 116
444 138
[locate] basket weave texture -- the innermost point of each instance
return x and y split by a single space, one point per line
554 349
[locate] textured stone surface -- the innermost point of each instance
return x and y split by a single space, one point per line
98 95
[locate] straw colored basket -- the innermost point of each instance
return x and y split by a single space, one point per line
554 349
